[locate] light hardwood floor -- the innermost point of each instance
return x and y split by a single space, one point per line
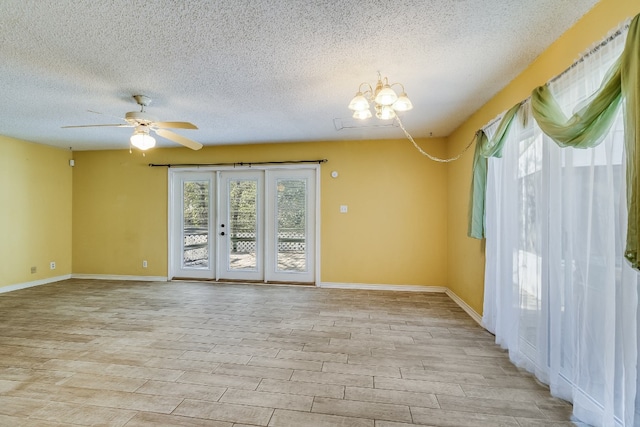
111 353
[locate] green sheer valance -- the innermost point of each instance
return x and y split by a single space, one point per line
485 148
586 128
630 84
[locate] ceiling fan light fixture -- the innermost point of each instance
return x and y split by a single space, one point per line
142 140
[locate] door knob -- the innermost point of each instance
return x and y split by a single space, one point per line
222 233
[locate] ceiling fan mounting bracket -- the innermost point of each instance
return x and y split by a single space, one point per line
142 100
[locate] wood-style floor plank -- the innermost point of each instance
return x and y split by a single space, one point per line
125 353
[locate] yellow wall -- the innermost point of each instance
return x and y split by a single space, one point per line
35 211
394 232
466 256
407 217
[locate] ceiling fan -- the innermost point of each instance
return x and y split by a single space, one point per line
144 123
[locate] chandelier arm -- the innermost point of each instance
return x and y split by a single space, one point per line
366 85
424 153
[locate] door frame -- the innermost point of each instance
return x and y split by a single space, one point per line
175 248
223 270
174 172
271 224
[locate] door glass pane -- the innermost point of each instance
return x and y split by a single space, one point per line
291 204
243 224
195 227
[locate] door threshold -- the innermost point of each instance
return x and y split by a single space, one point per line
242 282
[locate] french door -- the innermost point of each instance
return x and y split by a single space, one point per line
240 226
253 225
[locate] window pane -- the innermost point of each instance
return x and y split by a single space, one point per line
243 224
195 230
291 225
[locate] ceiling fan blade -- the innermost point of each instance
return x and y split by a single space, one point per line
175 125
107 114
179 139
119 125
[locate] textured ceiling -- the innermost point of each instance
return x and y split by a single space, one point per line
259 71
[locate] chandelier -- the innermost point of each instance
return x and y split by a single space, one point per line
386 102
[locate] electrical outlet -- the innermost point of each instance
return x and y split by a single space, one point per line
344 208
33 270
144 263
52 265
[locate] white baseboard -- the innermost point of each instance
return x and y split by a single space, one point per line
373 287
25 285
407 288
466 307
120 277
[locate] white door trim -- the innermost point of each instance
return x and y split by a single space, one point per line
175 225
174 172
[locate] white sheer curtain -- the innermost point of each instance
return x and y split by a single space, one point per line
558 293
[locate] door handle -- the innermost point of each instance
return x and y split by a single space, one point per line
222 233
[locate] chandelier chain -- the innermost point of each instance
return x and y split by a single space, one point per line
424 153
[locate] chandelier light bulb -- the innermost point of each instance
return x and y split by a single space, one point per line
403 103
362 114
386 96
385 112
359 103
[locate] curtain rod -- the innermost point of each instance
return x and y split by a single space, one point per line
620 31
236 164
